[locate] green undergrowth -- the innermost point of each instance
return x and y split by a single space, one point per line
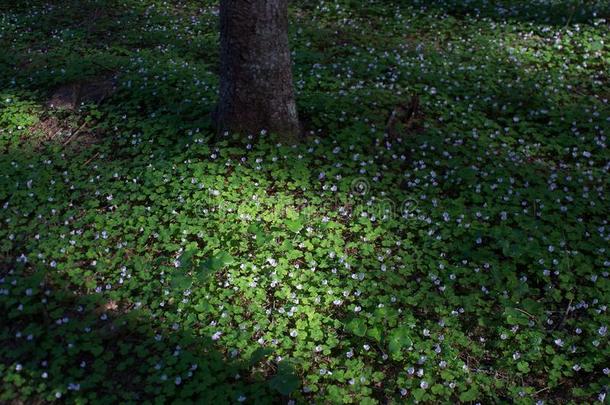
463 257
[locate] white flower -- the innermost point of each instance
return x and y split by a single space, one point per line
216 335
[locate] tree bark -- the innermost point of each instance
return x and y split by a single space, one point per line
256 88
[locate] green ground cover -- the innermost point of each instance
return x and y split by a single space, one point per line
463 257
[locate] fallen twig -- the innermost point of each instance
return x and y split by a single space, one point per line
90 159
565 315
525 312
73 134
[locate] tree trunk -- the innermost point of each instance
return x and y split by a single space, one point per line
256 89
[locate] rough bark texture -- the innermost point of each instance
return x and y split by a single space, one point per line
256 89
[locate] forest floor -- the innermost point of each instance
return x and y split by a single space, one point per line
458 252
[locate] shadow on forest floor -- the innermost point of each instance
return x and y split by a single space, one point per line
115 348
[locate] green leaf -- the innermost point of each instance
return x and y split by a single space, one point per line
470 395
258 355
224 259
533 307
96 350
399 339
202 307
357 326
36 278
523 366
418 394
181 281
186 259
261 237
597 46
285 383
375 333
213 264
294 225
514 317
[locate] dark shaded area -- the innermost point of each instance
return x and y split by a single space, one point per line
82 53
555 13
51 334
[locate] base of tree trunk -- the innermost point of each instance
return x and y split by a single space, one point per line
256 89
